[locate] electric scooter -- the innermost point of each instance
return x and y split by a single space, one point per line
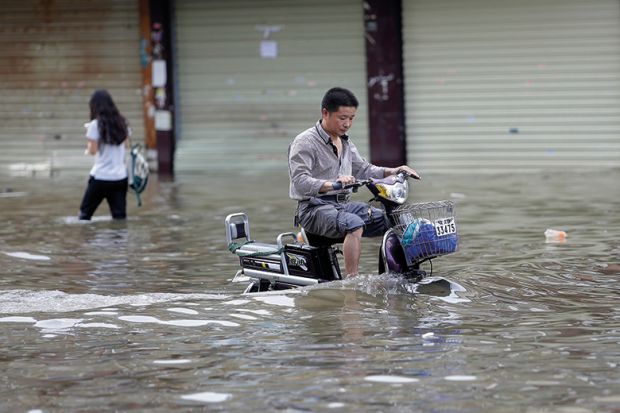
417 233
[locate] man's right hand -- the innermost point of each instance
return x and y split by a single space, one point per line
333 185
346 179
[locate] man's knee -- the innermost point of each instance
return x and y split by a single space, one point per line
356 233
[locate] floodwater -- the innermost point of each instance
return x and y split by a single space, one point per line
141 315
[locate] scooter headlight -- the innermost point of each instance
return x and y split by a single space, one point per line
396 192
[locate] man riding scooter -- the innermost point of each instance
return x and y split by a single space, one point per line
322 161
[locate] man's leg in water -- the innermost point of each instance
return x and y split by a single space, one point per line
346 218
352 249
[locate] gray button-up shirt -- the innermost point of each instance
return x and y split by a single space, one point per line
312 160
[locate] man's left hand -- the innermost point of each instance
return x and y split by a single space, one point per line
403 168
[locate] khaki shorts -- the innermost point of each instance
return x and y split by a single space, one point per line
334 220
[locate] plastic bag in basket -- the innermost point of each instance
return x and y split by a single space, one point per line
420 241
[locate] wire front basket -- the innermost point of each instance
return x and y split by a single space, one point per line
426 230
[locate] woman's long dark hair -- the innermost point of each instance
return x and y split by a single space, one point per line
113 127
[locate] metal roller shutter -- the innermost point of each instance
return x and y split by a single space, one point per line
54 55
240 110
503 85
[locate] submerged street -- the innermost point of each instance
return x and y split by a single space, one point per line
141 315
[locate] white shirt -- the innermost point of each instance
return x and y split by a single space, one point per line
109 159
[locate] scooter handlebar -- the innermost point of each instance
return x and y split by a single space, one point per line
402 174
337 185
357 184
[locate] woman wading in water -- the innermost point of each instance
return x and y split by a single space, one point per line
106 134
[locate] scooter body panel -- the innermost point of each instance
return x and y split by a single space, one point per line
313 262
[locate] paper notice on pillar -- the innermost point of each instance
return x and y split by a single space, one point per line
163 120
159 73
268 49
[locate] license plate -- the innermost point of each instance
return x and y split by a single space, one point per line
445 226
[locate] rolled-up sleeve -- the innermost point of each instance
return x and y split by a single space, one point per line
363 169
301 163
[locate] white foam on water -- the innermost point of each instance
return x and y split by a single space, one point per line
57 324
98 325
180 323
26 301
186 323
17 320
140 319
244 316
236 302
72 220
183 310
27 256
279 300
172 361
460 378
335 405
207 397
391 379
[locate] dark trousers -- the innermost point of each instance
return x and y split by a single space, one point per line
115 192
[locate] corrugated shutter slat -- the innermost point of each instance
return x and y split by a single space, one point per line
54 55
240 110
497 85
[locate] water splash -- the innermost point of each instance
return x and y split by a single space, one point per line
26 301
394 284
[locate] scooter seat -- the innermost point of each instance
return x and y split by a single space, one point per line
321 241
257 247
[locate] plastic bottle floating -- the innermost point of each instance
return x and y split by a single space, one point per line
554 235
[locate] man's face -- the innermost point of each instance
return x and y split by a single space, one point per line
338 123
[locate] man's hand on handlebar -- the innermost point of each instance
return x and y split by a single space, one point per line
403 168
346 179
343 181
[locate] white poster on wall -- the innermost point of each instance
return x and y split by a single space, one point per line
163 120
268 49
159 73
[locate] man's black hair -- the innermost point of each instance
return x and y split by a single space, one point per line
336 97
